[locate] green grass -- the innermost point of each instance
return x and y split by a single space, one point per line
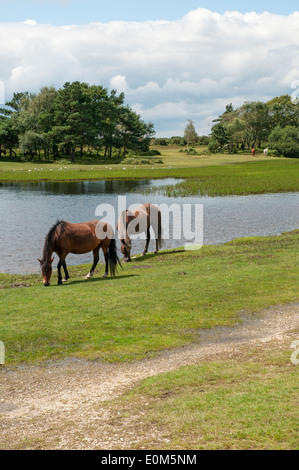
101 168
213 175
238 179
156 302
243 402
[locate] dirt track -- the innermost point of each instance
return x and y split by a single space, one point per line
60 405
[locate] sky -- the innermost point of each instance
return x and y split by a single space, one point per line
174 60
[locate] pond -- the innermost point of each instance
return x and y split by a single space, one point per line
28 210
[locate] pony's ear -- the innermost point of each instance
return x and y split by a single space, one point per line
52 260
39 260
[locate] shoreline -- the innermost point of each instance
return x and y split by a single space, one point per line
212 177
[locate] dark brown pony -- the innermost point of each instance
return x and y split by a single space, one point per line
139 221
64 238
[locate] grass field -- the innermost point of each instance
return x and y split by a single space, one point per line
154 303
245 401
98 167
204 174
239 179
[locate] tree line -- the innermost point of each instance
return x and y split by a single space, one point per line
274 124
68 121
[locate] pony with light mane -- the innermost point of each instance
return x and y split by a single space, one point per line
139 221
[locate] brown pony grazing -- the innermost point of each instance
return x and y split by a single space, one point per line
139 221
64 238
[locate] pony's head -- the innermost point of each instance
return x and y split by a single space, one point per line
125 246
46 262
125 241
46 267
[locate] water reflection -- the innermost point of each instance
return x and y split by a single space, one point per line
86 187
29 209
78 187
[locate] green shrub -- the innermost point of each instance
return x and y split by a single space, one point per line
285 141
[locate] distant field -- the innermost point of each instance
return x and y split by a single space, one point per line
239 179
173 155
175 162
205 174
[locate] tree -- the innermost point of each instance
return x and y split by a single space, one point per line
133 133
8 135
100 107
19 101
69 119
246 126
285 140
9 127
283 112
223 132
219 137
31 142
34 122
236 132
73 126
190 133
110 120
257 124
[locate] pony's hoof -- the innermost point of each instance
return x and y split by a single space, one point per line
105 275
64 280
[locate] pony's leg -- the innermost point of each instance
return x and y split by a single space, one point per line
106 255
59 272
157 245
63 264
95 262
158 235
148 237
66 274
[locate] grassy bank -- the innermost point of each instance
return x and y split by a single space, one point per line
238 179
204 174
156 302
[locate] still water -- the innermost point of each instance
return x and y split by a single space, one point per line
28 210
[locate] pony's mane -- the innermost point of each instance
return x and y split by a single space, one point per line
49 238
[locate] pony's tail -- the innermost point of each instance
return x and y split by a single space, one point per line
113 258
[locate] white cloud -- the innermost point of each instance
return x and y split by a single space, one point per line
31 22
119 83
170 71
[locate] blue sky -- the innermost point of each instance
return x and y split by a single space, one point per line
174 60
63 12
